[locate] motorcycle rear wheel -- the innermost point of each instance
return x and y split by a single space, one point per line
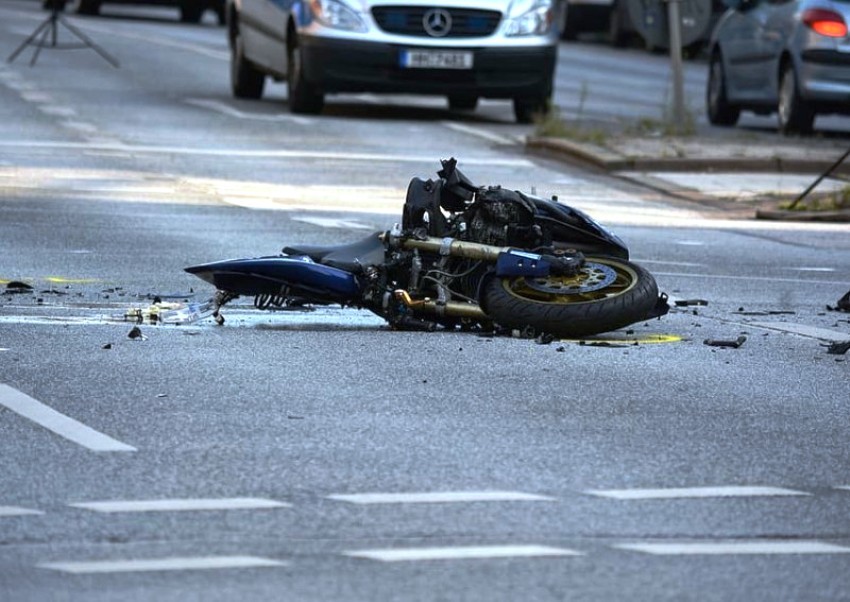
607 294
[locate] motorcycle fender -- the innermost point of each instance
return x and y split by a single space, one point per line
521 263
275 275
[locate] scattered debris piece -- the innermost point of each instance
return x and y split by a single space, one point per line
107 346
600 344
136 333
731 344
169 313
842 305
838 348
561 349
690 302
16 287
769 312
161 395
544 339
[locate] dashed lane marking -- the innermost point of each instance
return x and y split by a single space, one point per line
180 505
735 547
327 222
163 564
459 553
16 511
439 497
62 425
480 133
692 492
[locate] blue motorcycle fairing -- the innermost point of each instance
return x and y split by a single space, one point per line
274 275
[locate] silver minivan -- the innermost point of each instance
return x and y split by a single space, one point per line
461 49
791 57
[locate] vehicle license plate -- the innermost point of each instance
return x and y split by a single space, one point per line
436 59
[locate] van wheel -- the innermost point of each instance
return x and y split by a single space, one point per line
526 109
303 98
246 81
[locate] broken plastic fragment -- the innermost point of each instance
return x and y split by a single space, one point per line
170 313
16 286
689 302
732 344
838 348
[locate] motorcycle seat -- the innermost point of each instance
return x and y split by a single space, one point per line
351 257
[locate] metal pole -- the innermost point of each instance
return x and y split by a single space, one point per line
674 22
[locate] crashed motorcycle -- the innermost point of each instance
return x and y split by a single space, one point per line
464 257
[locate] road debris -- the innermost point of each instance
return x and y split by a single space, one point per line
690 302
136 333
842 305
838 348
16 287
161 312
730 344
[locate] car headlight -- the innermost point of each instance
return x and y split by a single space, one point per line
336 14
530 17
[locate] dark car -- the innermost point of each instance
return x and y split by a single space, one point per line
791 57
191 11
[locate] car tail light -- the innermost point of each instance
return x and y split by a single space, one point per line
825 22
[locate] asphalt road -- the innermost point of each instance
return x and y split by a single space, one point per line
320 456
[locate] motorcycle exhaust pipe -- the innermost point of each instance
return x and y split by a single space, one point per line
455 309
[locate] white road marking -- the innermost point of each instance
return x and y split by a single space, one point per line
736 547
4 349
750 278
162 564
181 505
690 243
806 269
58 110
692 492
268 153
479 133
439 497
226 109
60 424
804 330
80 126
16 511
459 553
326 222
686 264
35 96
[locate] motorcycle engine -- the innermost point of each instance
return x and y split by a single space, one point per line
503 218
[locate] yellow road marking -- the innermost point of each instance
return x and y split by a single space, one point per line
650 339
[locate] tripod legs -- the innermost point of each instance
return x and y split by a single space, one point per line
49 27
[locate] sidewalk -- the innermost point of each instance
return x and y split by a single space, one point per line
741 170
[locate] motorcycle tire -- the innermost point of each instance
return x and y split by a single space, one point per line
607 294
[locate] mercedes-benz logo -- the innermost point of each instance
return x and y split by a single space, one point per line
437 22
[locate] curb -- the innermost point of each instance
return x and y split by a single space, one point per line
804 216
610 161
